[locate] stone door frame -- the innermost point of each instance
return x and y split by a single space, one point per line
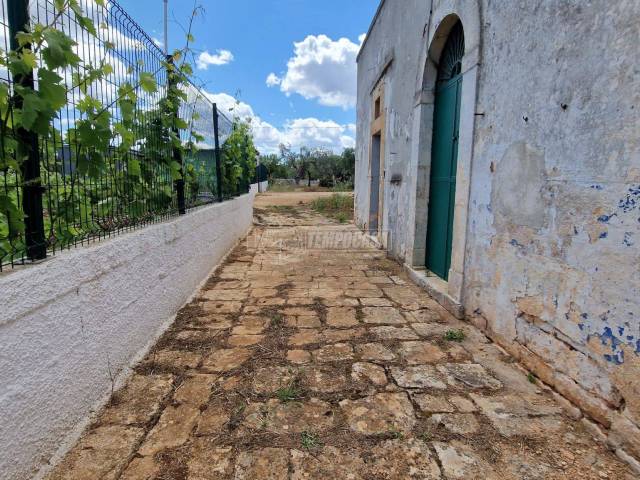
377 128
444 16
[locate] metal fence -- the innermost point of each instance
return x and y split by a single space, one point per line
62 203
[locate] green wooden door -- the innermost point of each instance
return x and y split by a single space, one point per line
444 156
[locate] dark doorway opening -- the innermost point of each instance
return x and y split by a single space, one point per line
374 200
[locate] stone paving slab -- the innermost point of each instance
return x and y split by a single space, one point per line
305 362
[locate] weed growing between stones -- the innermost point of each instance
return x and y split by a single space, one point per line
454 335
288 394
309 440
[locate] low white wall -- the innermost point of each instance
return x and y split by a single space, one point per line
263 186
68 321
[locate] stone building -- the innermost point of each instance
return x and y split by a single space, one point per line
498 158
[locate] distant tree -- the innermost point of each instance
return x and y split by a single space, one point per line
308 164
333 169
347 168
275 166
313 164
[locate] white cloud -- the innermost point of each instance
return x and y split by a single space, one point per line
221 57
273 80
312 132
296 133
322 69
158 42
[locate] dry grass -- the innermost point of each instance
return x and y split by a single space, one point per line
338 206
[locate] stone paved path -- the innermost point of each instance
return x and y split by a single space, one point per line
310 356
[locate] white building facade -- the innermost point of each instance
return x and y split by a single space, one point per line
498 159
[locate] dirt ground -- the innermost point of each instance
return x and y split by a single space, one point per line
268 199
309 355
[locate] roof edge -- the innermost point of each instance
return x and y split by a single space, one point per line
373 22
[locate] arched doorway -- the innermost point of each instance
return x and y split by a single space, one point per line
444 154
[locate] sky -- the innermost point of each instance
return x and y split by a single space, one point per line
287 65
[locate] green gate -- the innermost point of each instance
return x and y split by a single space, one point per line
444 154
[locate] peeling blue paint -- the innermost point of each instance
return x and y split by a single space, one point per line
605 218
607 335
631 201
604 235
628 239
608 338
620 331
597 187
618 358
515 243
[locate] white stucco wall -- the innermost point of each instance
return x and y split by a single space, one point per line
68 321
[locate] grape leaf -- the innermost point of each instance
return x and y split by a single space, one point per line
14 216
32 106
148 83
50 89
59 50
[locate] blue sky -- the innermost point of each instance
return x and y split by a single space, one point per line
241 42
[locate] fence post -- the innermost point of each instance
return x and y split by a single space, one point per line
216 136
176 152
27 150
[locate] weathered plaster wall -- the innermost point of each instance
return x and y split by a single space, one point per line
552 255
393 49
70 324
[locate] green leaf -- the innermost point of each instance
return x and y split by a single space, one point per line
88 104
96 165
87 24
15 218
127 109
175 170
22 64
4 97
32 105
24 38
134 167
127 136
51 90
181 124
148 82
187 69
59 50
74 5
